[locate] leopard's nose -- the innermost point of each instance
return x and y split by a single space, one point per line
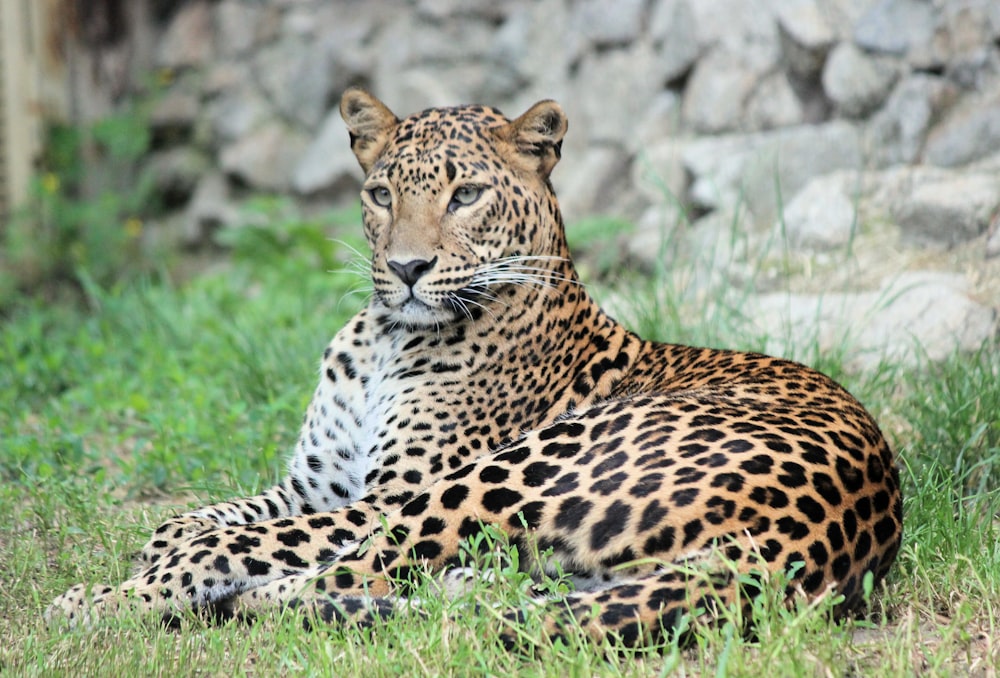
411 271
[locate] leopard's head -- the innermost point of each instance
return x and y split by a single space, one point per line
457 206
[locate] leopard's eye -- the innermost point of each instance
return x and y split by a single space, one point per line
463 196
381 196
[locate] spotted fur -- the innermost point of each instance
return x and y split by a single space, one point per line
482 385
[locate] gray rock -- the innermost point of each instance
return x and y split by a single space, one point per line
237 112
898 131
420 87
418 61
700 259
745 29
660 120
805 23
716 167
522 46
993 14
346 36
772 104
298 78
208 210
658 172
672 29
918 314
993 238
715 252
788 158
410 41
442 10
895 26
608 23
806 36
177 171
175 112
962 43
236 26
222 76
928 312
857 82
629 81
189 38
595 184
266 157
762 169
990 163
656 236
821 216
299 22
716 92
269 24
328 162
697 257
844 15
969 132
944 208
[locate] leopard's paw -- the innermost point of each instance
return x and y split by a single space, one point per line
78 606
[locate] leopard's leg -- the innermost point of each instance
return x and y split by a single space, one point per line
215 565
274 503
327 470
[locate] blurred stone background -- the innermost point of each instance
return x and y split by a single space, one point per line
843 155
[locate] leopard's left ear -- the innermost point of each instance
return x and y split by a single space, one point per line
369 122
537 135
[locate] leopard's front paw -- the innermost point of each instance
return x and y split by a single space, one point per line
78 606
172 533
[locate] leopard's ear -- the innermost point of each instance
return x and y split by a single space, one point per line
537 135
369 123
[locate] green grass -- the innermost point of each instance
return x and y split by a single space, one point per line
152 397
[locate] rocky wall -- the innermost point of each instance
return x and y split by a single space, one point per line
857 139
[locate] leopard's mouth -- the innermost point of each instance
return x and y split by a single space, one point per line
413 313
413 309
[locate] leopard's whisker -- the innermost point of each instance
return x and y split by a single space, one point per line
463 301
459 303
354 250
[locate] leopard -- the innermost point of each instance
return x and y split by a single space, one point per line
483 388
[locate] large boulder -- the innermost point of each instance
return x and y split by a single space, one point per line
915 315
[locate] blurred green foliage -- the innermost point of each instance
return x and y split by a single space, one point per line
87 209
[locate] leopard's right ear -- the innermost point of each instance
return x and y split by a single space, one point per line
369 123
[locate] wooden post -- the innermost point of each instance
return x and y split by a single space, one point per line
32 87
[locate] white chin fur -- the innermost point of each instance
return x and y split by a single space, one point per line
414 313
